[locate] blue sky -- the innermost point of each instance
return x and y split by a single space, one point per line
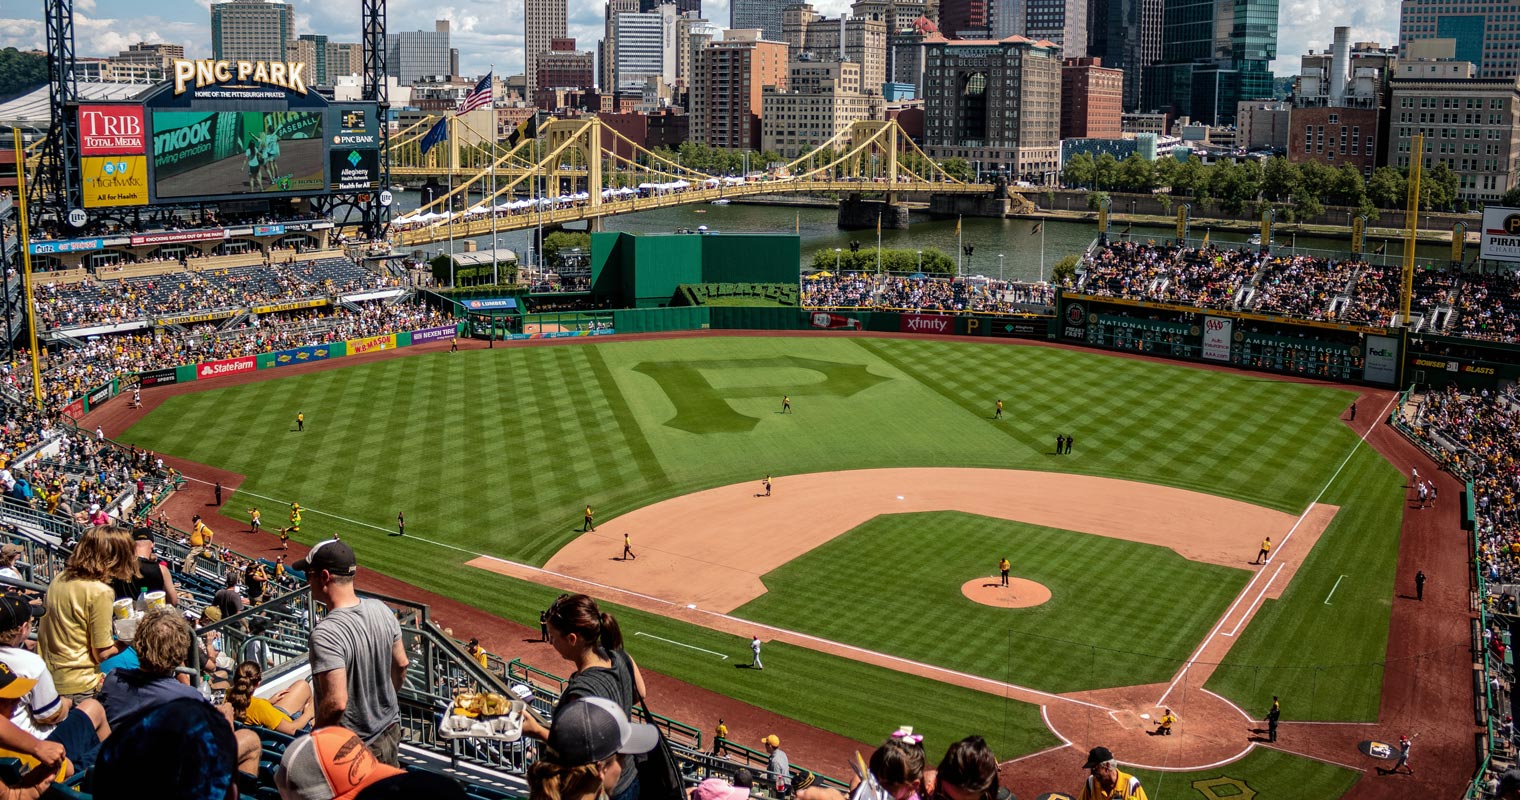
490 31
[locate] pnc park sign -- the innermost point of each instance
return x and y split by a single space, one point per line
208 72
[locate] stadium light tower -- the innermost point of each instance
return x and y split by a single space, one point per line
372 20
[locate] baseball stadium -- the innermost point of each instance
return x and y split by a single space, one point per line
1181 517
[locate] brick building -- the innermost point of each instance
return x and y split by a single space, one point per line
727 88
1092 99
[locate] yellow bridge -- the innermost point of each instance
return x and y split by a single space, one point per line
582 169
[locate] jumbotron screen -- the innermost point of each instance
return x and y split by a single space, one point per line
211 153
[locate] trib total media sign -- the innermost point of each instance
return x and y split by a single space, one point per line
111 130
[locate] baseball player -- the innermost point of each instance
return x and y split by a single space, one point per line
1164 725
255 520
999 413
1003 567
1266 550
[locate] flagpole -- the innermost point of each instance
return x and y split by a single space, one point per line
878 241
1042 252
495 273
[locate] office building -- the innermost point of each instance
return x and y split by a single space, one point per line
858 39
543 22
311 49
606 49
645 48
1262 125
1213 55
761 15
252 30
1338 105
1126 34
683 7
1063 22
905 21
821 99
727 88
692 34
1092 99
995 103
417 56
347 58
1471 124
965 18
155 54
564 67
1482 30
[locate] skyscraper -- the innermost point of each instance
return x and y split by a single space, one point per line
727 89
252 30
414 55
994 102
1126 34
967 17
1484 31
311 50
1213 55
682 6
761 15
544 21
607 48
1063 22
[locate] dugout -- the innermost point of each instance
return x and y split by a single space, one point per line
647 270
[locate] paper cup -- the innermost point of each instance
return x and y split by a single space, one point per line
155 599
122 609
125 629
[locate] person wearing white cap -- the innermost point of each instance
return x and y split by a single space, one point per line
581 760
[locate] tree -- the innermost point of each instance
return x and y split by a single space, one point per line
1106 171
1316 179
1080 170
1065 269
958 169
1279 179
1511 198
1136 174
1306 205
1438 187
21 72
1166 171
1188 176
1386 188
558 241
1233 185
1096 200
1350 189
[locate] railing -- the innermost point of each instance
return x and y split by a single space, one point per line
282 622
1484 701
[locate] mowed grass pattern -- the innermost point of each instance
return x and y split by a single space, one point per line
496 452
1107 598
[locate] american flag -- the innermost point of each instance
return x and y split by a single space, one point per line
479 97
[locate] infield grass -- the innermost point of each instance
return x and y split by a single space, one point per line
497 451
1101 600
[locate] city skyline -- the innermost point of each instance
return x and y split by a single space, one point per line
484 38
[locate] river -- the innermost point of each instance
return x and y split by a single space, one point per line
1000 247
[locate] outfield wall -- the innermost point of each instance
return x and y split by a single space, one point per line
204 370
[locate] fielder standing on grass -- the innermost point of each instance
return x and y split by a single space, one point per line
754 647
999 413
300 421
400 524
590 523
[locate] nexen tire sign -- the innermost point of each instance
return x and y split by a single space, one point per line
232 366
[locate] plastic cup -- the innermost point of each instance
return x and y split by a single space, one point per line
122 609
155 599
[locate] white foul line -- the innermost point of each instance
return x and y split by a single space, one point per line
1301 517
1333 588
680 644
1252 607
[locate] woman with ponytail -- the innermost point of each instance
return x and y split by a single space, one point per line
272 713
590 639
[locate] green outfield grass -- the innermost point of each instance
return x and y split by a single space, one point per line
839 590
496 451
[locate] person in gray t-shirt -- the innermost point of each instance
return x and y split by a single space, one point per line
357 656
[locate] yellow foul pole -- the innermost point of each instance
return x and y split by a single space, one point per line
26 270
1416 158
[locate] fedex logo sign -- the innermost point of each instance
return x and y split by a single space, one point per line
109 130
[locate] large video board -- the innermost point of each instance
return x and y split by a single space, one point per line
200 153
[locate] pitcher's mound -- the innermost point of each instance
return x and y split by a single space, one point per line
1018 594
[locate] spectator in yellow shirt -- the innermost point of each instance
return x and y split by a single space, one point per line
1105 781
288 712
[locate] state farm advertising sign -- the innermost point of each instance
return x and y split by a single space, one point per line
231 366
111 130
926 323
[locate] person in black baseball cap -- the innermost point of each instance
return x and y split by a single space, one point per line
1509 786
1105 781
16 611
333 556
585 742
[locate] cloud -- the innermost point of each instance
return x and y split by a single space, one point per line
1309 24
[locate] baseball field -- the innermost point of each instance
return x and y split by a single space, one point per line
871 571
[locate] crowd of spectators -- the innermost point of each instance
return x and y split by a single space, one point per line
898 292
1482 306
102 301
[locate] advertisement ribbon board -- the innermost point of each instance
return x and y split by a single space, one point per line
371 344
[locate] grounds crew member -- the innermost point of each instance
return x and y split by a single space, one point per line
1105 781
